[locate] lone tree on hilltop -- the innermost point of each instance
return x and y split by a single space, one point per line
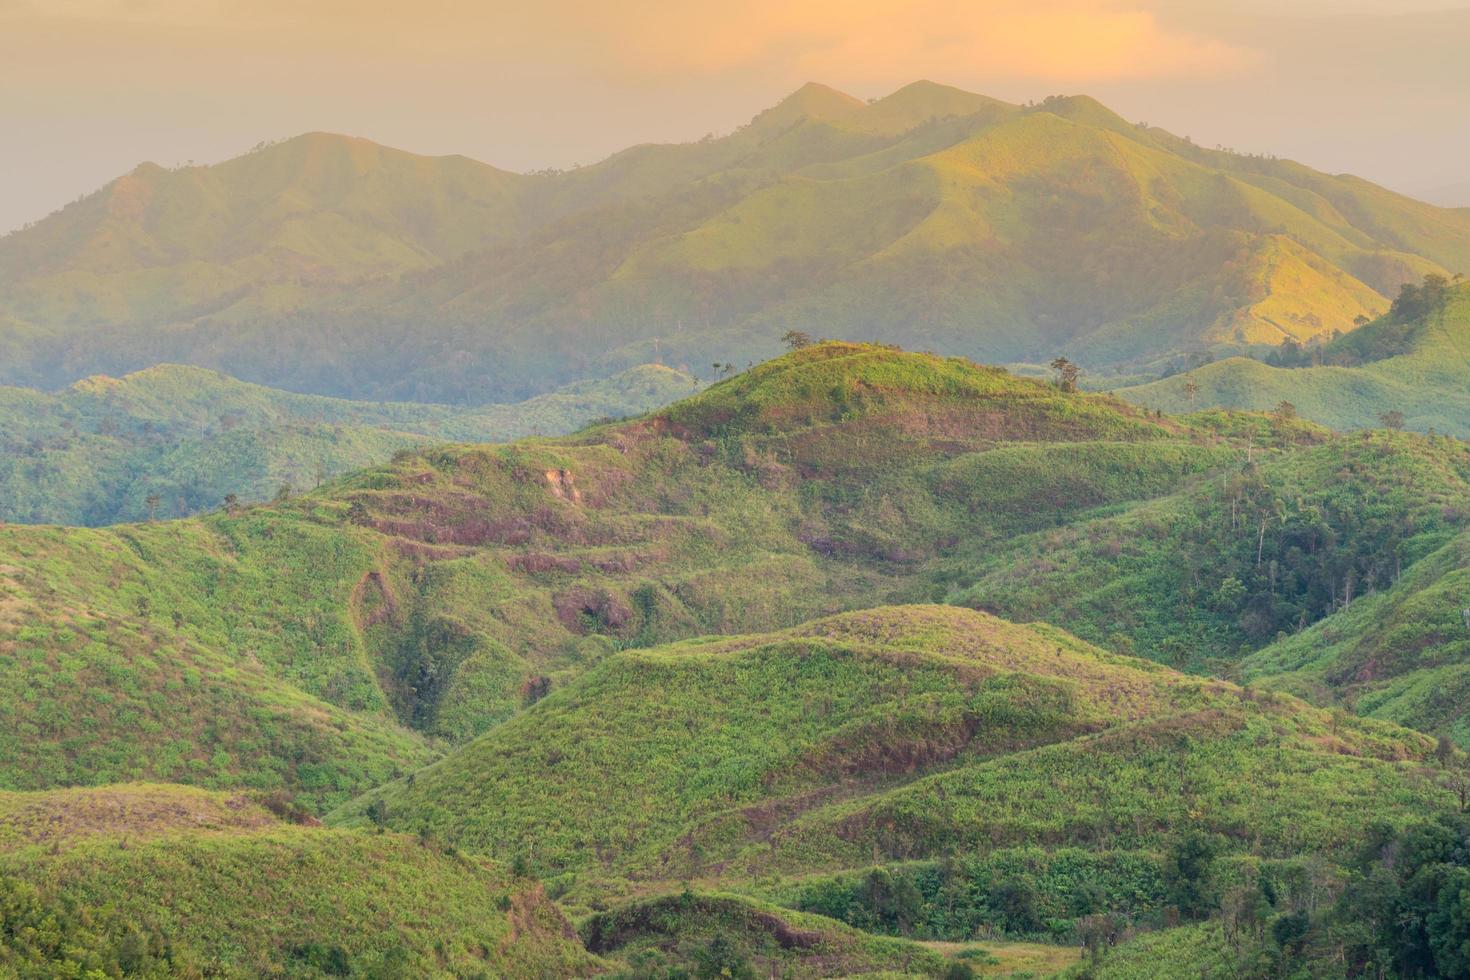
796 339
1067 373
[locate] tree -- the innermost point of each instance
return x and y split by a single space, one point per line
151 502
796 339
1067 373
722 960
231 503
1361 320
283 493
1393 419
1191 390
1187 877
1285 411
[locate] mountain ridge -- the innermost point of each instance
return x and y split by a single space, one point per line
932 217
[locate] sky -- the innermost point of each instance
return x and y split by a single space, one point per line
91 88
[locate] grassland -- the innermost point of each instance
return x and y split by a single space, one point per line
437 597
1422 377
688 672
160 881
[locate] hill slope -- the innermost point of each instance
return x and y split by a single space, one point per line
1418 367
162 881
894 735
932 217
441 595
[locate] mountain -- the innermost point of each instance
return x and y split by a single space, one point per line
1417 365
173 440
932 217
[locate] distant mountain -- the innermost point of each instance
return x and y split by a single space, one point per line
174 440
933 217
1416 365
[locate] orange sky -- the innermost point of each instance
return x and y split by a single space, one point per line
88 88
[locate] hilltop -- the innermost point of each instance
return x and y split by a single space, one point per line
173 440
932 217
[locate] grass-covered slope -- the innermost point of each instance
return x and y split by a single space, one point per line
322 644
144 880
1207 575
932 217
220 654
173 440
1402 653
1418 368
896 734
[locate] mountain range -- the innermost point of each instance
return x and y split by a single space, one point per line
934 218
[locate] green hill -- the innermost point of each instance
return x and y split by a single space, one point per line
172 440
440 595
687 670
160 881
898 735
933 217
1418 367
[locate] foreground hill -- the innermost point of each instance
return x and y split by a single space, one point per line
143 880
932 217
792 764
173 440
1416 365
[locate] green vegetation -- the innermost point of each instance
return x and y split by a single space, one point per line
1410 369
933 217
689 671
172 441
182 896
713 936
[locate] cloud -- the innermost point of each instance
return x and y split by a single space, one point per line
850 41
884 40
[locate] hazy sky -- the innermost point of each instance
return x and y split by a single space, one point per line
90 88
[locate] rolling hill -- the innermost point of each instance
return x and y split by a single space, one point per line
171 440
145 880
437 596
933 217
687 671
882 735
1418 366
